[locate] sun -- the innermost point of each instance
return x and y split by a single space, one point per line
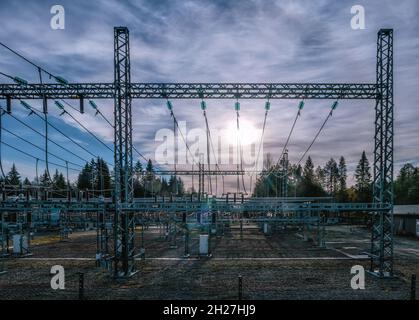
248 133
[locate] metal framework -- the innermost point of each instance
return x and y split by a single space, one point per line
284 175
204 172
124 223
194 91
123 91
382 227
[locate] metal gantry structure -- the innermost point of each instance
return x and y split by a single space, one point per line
382 226
124 224
124 211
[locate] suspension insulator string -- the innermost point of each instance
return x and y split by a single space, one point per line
45 111
267 108
300 108
1 158
239 152
203 107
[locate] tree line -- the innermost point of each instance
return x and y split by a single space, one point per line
310 181
406 186
303 181
96 176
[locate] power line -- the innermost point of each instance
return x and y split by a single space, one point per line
40 70
38 159
45 119
33 111
172 114
96 108
68 104
239 149
57 78
267 108
318 132
297 116
140 154
300 107
79 123
1 137
62 81
42 135
203 106
42 149
329 115
7 76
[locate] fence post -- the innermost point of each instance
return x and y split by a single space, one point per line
81 286
413 287
240 287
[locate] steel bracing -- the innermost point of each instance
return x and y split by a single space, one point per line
284 175
382 224
197 173
124 209
124 223
194 91
144 205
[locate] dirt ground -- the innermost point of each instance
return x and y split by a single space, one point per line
280 266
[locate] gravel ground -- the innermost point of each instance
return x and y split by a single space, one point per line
281 266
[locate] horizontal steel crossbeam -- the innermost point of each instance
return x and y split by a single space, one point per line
197 173
194 91
194 206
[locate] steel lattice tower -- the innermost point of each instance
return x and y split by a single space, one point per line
382 222
124 226
284 175
123 91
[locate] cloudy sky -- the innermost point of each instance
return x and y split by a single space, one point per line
215 41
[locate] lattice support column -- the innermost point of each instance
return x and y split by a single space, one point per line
124 224
284 172
382 222
3 252
64 227
103 224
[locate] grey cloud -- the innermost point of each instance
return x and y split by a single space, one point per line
237 41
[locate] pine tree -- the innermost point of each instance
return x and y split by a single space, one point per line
180 187
59 184
13 177
138 170
308 172
295 185
309 185
363 179
342 174
406 186
93 174
331 171
151 185
44 180
173 187
138 180
26 182
149 169
84 179
165 189
321 176
102 176
58 181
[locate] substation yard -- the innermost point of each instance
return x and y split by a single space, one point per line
280 266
